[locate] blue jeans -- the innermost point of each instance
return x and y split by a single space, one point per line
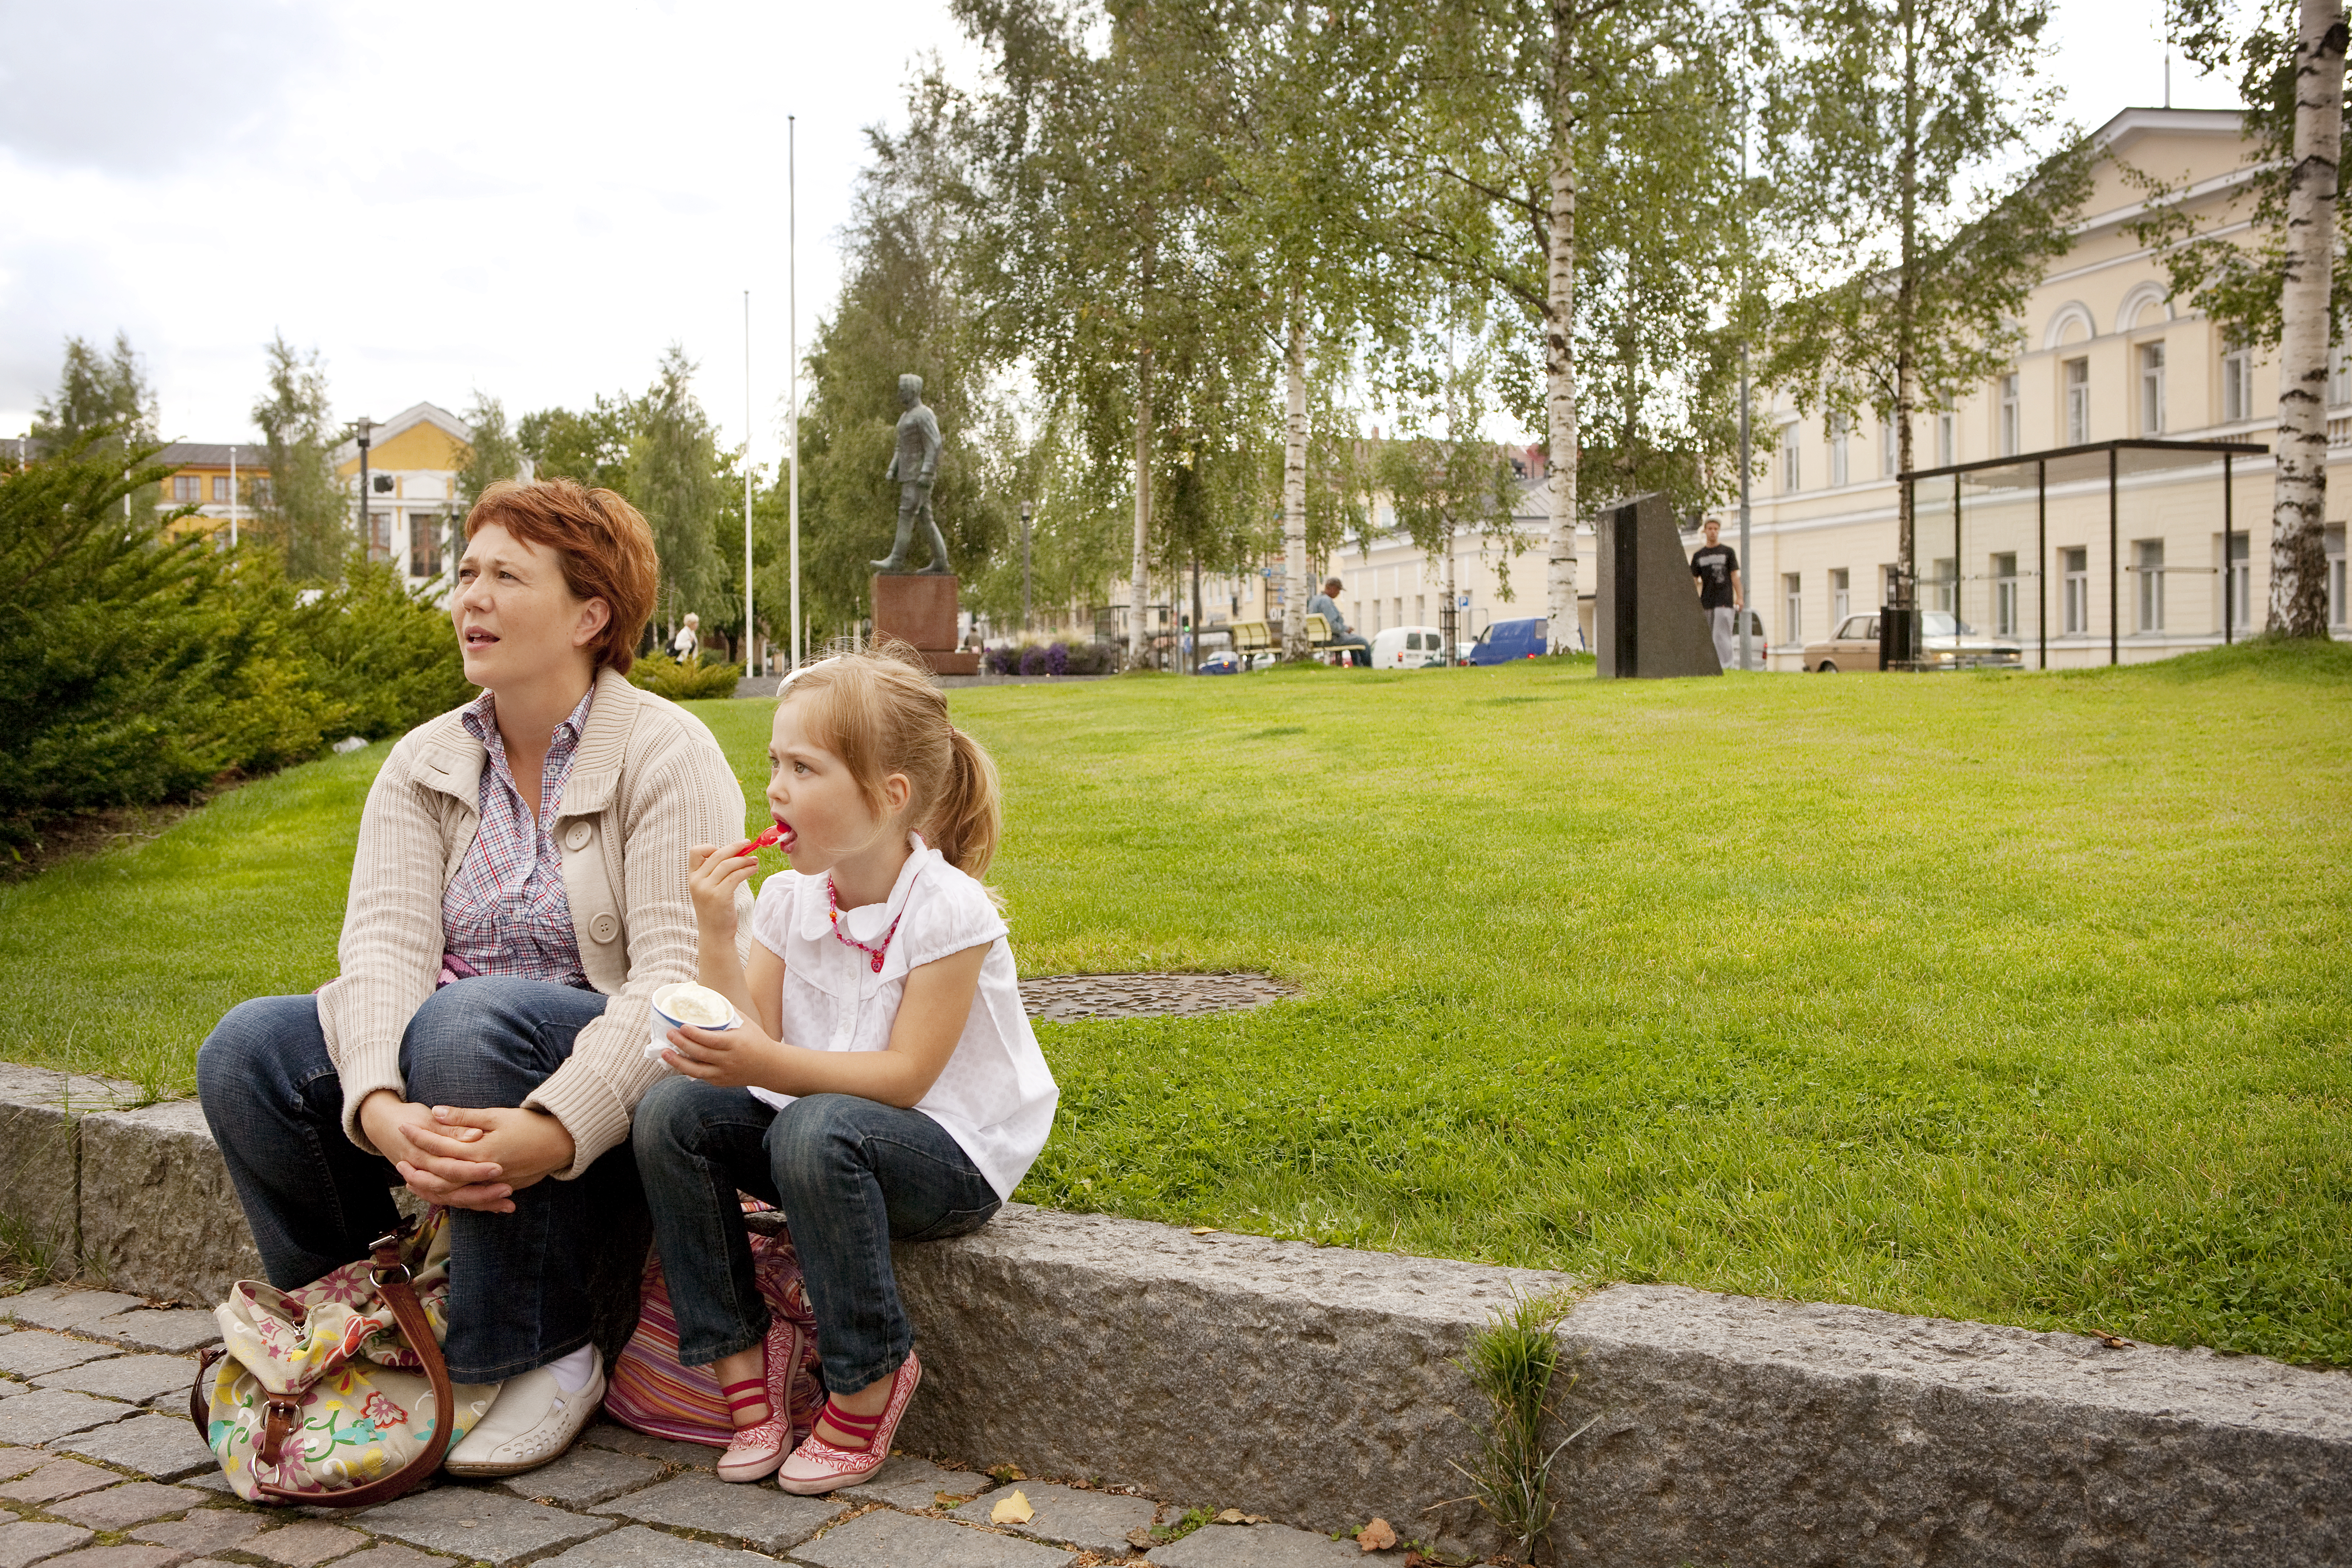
850 1174
518 1283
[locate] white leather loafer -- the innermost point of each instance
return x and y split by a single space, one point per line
532 1422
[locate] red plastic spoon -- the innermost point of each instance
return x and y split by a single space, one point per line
768 840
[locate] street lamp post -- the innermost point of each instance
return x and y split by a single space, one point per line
363 425
1024 566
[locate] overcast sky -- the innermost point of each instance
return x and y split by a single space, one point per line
527 199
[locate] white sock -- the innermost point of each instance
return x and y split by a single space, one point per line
573 1372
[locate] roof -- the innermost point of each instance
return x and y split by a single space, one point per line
2129 125
400 424
208 455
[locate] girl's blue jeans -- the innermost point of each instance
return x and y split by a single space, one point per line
518 1283
851 1176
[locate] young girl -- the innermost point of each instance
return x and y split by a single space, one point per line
884 1084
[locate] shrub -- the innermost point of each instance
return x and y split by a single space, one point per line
1053 658
665 677
387 656
134 668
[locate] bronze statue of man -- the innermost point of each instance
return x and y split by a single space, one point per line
913 464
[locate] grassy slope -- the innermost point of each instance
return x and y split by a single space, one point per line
2016 997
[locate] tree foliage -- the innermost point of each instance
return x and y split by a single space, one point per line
2237 279
99 393
1907 261
301 513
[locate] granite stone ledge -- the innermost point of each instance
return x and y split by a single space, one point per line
158 1213
1312 1385
1740 1431
40 1111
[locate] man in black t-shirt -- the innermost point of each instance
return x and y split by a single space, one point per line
1720 592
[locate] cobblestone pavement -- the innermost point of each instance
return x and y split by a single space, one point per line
100 1469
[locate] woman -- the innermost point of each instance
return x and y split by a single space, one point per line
520 891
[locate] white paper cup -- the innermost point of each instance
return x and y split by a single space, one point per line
665 1021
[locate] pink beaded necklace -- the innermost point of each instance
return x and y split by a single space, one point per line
833 913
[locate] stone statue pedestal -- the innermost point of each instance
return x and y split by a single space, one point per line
919 608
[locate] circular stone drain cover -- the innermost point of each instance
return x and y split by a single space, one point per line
1058 998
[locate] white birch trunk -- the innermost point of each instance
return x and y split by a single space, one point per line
2298 597
1294 488
1138 636
1560 364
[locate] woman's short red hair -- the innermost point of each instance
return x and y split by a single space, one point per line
606 548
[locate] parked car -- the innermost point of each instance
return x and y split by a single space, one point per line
1224 661
1504 641
1408 647
1946 642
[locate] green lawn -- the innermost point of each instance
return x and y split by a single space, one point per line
2014 997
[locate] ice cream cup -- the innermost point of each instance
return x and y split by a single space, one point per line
665 1020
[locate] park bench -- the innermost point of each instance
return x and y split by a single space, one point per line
1252 638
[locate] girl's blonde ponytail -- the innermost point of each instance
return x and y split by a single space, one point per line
970 813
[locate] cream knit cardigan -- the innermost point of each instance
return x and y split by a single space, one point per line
647 781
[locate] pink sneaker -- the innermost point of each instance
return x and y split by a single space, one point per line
817 1467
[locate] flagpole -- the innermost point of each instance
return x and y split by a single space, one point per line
792 309
750 627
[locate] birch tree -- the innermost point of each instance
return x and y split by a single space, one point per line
1909 260
2276 282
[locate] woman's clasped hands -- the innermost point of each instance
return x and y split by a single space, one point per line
468 1158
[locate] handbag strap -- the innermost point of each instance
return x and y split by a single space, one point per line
283 1417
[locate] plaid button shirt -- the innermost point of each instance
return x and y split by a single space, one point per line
505 911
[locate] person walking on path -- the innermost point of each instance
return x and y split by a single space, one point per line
884 1084
519 893
1721 593
1327 604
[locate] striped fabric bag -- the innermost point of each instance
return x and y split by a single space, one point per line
651 1392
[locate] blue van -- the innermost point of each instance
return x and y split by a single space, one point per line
1504 641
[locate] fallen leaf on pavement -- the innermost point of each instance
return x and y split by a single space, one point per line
1006 1474
1377 1536
1235 1516
1141 1538
1014 1510
1204 1230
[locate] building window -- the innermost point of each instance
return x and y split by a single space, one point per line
423 544
187 487
2078 402
1838 426
2241 580
2075 566
2004 594
1841 600
2147 567
1890 584
379 536
1789 473
220 487
1420 608
2336 608
2009 416
1943 589
1792 607
1887 455
2339 376
2151 389
260 494
1946 446
2238 386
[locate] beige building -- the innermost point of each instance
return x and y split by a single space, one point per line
2107 356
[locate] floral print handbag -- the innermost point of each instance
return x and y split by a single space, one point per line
332 1395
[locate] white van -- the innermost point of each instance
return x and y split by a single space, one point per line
1409 647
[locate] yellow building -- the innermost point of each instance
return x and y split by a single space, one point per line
222 482
413 463
2107 356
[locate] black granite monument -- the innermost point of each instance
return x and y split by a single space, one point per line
1646 622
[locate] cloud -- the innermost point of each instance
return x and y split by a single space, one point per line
145 87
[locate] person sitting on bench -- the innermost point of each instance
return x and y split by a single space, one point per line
1326 605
